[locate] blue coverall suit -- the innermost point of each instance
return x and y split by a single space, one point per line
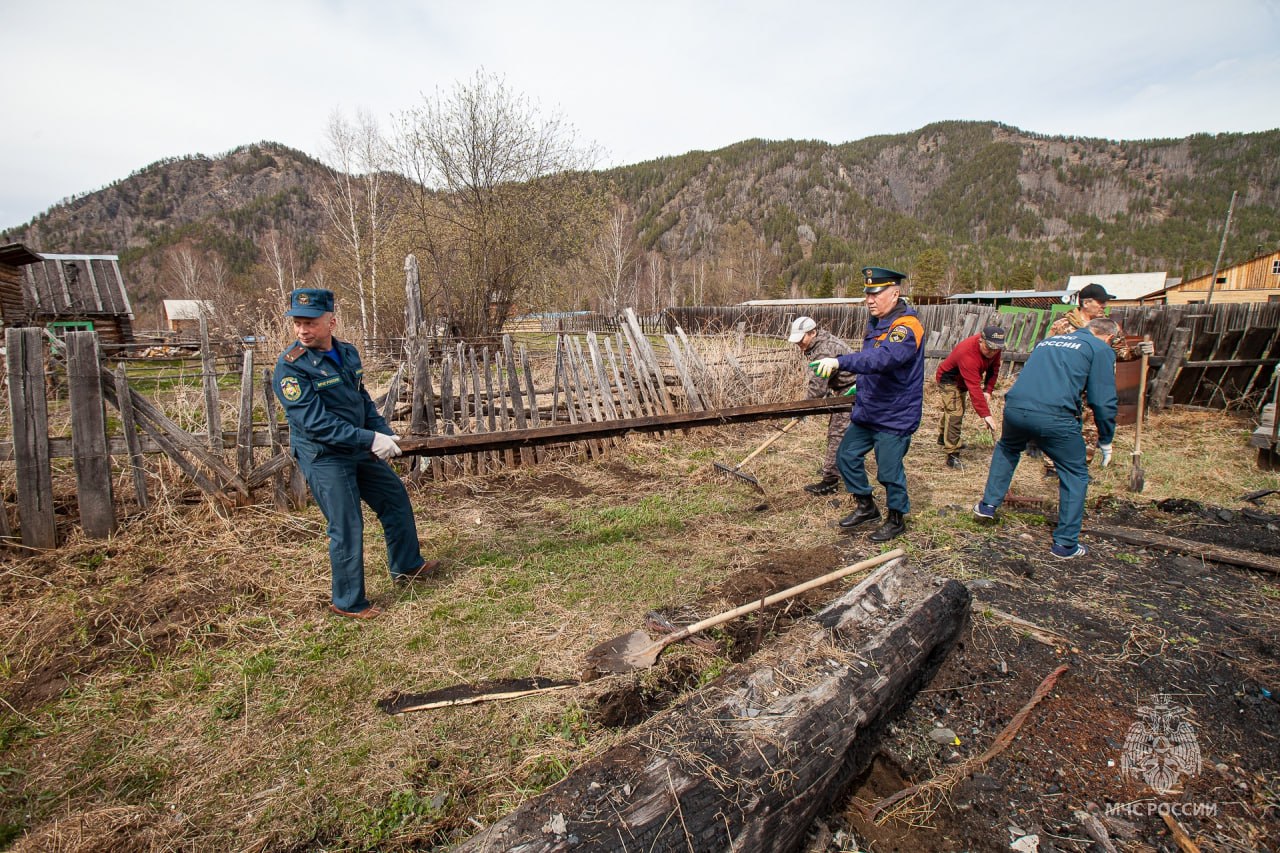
1044 406
331 425
890 371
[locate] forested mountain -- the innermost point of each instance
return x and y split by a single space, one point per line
964 204
956 205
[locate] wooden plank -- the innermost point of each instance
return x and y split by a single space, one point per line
130 429
279 495
630 409
692 398
393 395
29 427
1169 372
647 359
92 462
594 430
244 431
174 439
515 395
1213 553
601 379
209 381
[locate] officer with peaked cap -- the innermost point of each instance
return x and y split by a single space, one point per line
341 444
816 343
890 370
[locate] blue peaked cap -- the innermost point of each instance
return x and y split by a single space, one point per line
309 302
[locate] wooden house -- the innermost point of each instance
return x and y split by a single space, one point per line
1254 280
75 292
13 303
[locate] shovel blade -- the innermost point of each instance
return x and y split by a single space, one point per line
627 653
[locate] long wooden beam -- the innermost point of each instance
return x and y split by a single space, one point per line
447 445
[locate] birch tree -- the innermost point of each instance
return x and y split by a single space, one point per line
498 194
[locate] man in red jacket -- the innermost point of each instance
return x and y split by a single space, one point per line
971 368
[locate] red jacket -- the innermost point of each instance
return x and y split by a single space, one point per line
969 370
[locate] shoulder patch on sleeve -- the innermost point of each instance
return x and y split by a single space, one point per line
898 334
294 352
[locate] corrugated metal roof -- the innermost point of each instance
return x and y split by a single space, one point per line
987 295
76 284
187 309
1131 285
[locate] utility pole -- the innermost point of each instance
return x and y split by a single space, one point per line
1213 280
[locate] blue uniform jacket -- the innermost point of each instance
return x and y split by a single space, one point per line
890 371
1058 369
327 407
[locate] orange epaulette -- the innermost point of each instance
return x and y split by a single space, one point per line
911 323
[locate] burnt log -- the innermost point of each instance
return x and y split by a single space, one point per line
748 762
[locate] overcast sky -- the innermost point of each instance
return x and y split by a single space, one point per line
95 90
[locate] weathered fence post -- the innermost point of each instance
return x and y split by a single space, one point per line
29 414
124 400
209 378
244 432
90 454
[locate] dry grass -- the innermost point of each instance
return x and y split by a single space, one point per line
181 687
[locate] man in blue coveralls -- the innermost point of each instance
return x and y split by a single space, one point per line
1044 406
890 370
341 444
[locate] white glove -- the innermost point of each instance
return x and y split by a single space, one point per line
824 367
1106 454
990 422
385 446
1146 348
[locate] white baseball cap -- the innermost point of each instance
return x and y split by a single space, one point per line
800 326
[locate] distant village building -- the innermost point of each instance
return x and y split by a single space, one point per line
66 293
1127 288
183 315
1254 280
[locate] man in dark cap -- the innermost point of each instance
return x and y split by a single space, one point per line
341 443
1091 303
971 368
816 343
890 369
1044 406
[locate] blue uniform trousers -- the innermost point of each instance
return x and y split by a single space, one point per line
1060 439
890 449
339 483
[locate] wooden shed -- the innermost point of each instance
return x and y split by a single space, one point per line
13 304
1254 280
183 315
78 292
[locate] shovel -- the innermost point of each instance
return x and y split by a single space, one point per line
1137 478
637 651
736 470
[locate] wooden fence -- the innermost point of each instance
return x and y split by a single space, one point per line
1209 357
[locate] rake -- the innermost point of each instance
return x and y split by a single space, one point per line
736 470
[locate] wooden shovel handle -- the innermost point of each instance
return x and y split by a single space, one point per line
770 440
1142 399
790 592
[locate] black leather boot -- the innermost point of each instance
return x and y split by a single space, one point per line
893 527
866 511
825 486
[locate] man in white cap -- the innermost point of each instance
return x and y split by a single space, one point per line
814 344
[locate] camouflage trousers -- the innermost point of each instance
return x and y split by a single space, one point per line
952 417
835 434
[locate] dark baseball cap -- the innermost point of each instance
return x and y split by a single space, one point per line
1093 291
993 336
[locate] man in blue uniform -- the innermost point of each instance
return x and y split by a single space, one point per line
1044 406
890 370
341 444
